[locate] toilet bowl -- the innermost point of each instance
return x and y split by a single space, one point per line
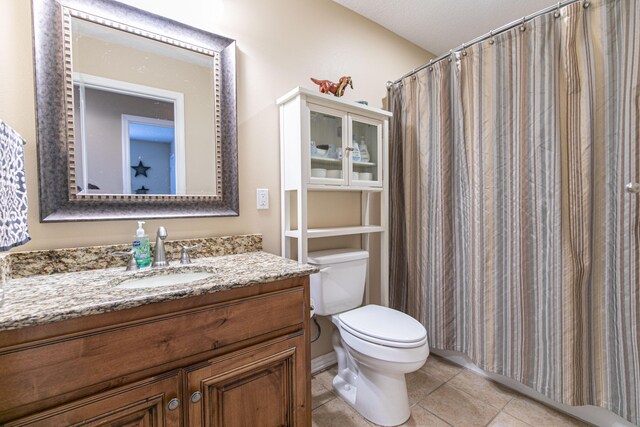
375 346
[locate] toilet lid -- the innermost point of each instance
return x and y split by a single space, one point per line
384 325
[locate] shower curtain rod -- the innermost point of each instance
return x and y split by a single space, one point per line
491 34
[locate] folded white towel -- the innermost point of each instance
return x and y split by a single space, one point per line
14 230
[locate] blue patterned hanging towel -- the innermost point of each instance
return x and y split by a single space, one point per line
14 230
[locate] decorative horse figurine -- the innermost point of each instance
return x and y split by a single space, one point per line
337 89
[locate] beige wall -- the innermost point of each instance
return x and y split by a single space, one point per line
280 44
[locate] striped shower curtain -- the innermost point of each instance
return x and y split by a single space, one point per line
513 239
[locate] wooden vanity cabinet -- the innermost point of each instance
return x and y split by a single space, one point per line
252 388
144 403
233 358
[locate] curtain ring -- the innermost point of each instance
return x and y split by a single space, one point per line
464 51
450 55
586 4
431 65
491 41
557 13
522 26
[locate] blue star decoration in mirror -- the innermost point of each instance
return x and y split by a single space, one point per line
141 169
142 190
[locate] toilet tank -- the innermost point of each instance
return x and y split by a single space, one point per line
339 286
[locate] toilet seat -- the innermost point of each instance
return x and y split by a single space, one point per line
365 350
383 326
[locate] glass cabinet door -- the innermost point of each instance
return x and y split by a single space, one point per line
326 148
366 155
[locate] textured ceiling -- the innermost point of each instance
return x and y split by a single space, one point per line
440 25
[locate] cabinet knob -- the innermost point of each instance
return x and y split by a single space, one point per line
196 396
173 404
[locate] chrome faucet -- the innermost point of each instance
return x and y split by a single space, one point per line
132 265
159 255
185 258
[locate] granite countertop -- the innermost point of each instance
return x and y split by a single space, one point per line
38 300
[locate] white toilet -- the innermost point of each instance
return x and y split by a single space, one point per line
376 346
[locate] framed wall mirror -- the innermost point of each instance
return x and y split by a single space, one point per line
136 114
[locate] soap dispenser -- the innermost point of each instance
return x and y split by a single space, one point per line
141 247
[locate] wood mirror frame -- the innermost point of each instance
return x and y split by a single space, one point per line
54 121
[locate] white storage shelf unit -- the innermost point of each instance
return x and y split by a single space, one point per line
318 138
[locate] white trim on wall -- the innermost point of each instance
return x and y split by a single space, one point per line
83 141
323 362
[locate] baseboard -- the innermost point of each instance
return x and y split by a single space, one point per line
321 363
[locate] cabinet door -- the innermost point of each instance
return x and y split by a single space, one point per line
265 385
327 137
145 403
365 160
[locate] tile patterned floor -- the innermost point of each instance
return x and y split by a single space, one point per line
442 394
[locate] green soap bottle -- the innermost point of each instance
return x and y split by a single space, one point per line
141 247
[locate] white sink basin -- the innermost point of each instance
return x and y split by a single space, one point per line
164 280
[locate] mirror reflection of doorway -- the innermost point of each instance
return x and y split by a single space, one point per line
151 153
148 156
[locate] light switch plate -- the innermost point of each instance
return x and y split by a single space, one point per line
262 198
